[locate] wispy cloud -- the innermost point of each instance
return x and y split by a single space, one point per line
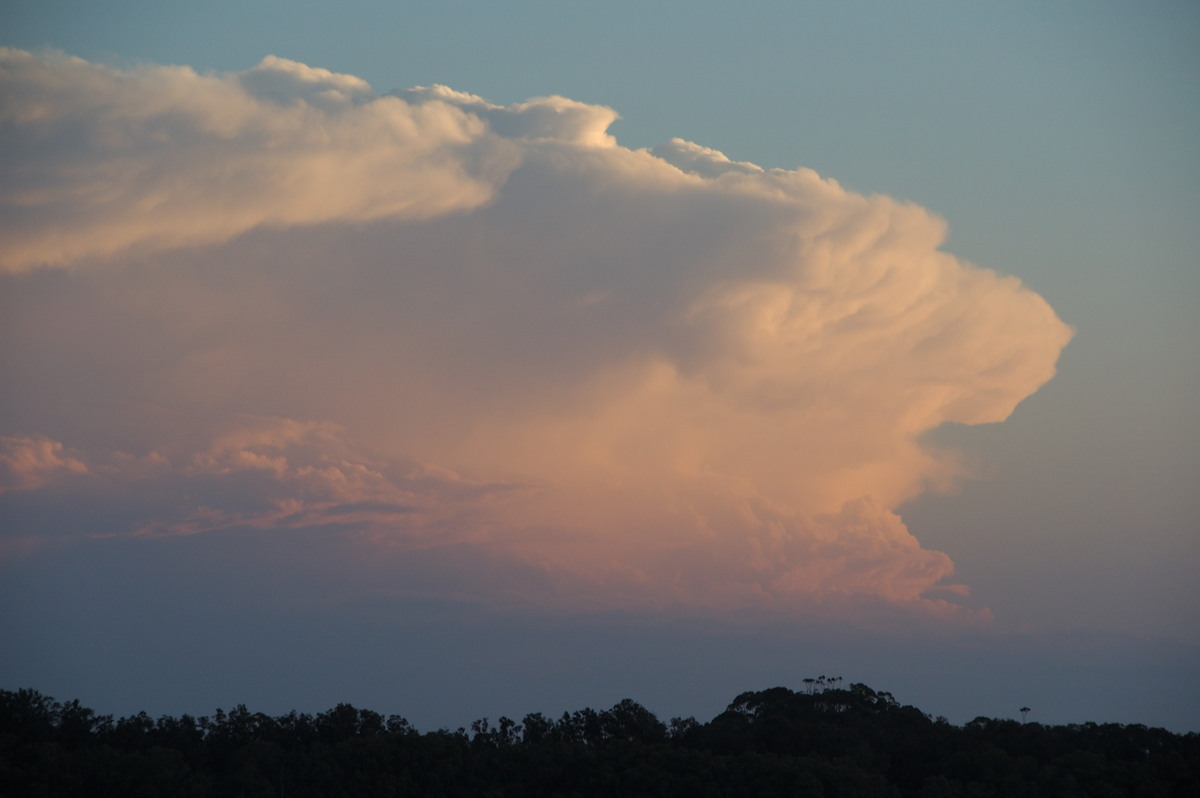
427 321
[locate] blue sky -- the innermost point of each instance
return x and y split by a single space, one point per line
1058 144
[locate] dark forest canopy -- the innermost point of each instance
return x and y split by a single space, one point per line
824 740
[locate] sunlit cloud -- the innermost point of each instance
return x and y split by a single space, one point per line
424 322
158 157
27 463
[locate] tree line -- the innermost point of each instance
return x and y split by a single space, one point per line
823 740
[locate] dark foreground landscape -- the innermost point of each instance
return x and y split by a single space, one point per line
821 741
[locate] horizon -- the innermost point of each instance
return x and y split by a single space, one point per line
810 687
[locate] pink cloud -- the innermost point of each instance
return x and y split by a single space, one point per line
28 463
655 377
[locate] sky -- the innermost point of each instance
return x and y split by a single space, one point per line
475 359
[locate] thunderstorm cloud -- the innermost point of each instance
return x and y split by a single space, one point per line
486 345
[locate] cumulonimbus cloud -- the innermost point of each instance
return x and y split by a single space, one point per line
158 157
657 377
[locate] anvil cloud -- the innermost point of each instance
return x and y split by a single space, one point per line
276 300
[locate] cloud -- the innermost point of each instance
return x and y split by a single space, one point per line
547 119
719 545
428 323
27 463
158 157
691 157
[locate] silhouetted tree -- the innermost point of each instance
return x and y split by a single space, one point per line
854 741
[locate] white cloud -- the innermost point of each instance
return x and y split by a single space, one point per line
542 118
703 161
292 83
159 157
709 380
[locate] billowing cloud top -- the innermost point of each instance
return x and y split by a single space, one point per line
427 323
162 156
